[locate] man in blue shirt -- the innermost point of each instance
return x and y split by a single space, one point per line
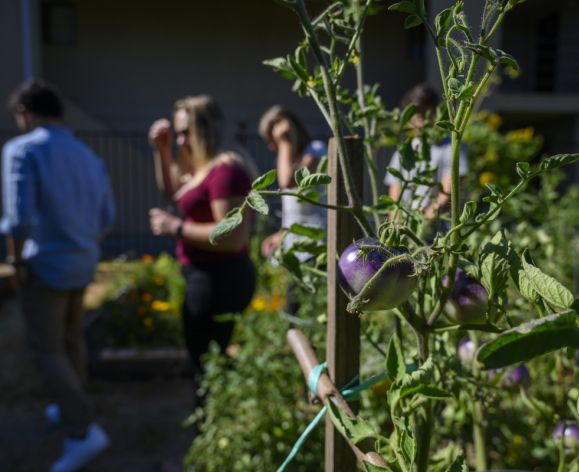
58 203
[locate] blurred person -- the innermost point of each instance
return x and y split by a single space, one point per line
57 205
286 135
210 181
431 202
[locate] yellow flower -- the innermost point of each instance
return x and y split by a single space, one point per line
494 121
148 323
258 304
523 135
491 156
160 305
487 178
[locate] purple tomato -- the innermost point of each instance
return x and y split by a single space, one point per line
520 375
468 301
466 350
571 434
358 263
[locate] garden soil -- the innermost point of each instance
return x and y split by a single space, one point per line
142 416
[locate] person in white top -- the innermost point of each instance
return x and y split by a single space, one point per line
285 134
431 201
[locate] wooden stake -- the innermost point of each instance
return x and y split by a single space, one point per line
343 330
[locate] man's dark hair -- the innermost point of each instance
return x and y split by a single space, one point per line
37 97
423 96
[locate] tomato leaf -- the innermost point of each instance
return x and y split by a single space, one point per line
264 180
300 175
312 180
309 231
231 221
430 391
552 291
530 340
494 264
256 201
354 429
395 365
558 160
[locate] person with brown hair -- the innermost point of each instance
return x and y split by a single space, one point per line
430 201
208 182
58 204
286 135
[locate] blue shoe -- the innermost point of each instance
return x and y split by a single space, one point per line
52 413
79 452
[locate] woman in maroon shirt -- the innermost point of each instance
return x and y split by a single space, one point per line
206 183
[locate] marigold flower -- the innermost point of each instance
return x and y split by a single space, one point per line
487 178
160 305
258 304
147 258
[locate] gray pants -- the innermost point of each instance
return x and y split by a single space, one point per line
54 326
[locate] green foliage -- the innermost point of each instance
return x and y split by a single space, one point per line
142 307
256 400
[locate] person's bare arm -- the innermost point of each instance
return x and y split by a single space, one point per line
394 191
197 234
167 172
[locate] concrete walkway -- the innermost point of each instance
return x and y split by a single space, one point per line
143 417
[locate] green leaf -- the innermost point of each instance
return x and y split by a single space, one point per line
300 175
493 55
441 24
428 390
523 169
395 365
354 429
396 173
408 446
552 291
281 65
231 221
541 408
558 160
468 211
454 85
315 179
307 245
530 340
309 231
494 264
404 7
445 125
459 465
373 468
412 21
256 201
407 155
407 114
265 180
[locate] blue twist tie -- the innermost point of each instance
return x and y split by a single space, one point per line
315 375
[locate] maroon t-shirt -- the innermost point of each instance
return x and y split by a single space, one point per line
224 180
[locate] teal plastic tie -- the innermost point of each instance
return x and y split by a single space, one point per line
348 392
315 375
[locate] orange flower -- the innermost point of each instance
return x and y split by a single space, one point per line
148 259
147 297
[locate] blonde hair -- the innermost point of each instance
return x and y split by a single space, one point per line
206 124
207 131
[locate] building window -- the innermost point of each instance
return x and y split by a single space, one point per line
59 23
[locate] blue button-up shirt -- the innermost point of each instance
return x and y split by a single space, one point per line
58 198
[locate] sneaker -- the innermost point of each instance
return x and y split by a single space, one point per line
79 452
52 413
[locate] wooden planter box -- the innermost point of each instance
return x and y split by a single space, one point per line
139 363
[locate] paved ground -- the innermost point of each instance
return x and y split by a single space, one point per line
142 417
